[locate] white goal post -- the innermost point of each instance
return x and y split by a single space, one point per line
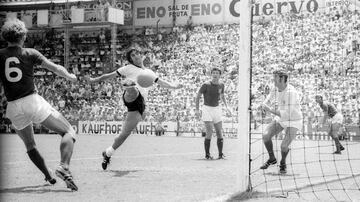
243 181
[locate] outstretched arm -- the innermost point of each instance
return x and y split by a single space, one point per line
58 70
166 84
102 77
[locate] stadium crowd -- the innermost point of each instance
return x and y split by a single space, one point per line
320 50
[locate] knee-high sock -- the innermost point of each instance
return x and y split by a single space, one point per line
207 146
38 160
220 143
337 143
269 148
283 156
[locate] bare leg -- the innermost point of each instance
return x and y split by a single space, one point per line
56 122
131 121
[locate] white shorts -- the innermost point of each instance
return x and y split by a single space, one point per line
213 114
30 109
298 124
338 118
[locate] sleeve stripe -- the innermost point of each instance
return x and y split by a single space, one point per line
118 72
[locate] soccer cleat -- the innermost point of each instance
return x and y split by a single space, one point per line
65 175
282 169
221 156
208 157
342 148
268 163
51 180
106 160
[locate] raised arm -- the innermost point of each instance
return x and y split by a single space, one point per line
166 84
58 70
102 77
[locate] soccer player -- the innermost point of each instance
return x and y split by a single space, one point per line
335 120
212 91
26 107
134 97
288 117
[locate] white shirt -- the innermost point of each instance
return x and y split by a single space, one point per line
132 72
288 102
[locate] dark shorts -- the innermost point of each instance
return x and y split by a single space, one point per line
137 105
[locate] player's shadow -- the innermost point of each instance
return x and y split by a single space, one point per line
35 189
122 173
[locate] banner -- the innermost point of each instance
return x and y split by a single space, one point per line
166 12
191 129
115 127
169 12
195 129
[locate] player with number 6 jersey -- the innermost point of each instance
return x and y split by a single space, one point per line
26 107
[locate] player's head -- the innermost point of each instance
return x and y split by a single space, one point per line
14 31
134 57
319 98
215 72
280 77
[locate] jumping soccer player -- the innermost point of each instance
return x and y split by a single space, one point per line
335 120
212 90
288 117
134 97
26 107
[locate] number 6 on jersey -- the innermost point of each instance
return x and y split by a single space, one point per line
9 70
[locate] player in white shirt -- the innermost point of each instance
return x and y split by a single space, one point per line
134 97
288 117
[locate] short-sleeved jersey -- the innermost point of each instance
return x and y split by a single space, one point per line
132 72
329 109
288 102
212 93
17 71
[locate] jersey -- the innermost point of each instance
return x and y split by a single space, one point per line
132 72
329 109
17 71
288 102
212 93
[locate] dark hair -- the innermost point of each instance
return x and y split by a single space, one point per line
128 56
282 74
215 69
13 30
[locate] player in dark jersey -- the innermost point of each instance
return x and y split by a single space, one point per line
25 106
334 119
134 97
212 91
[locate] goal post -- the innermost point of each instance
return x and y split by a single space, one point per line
244 75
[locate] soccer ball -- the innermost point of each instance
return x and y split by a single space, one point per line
146 78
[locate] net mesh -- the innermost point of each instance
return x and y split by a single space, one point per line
320 53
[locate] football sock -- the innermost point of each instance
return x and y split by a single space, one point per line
207 146
337 143
283 156
110 151
220 143
38 160
269 148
